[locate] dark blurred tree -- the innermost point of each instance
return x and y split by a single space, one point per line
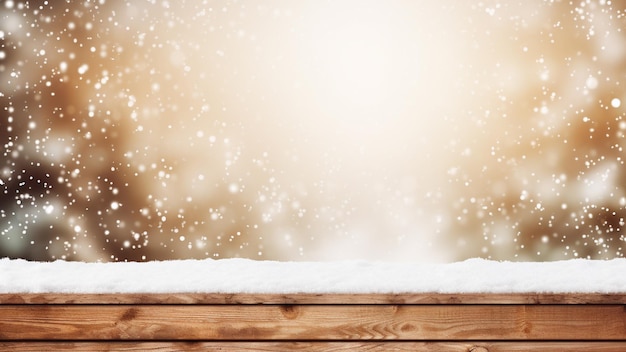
74 184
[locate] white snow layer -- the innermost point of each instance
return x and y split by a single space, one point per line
249 276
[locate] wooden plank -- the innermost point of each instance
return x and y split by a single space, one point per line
313 322
370 346
308 298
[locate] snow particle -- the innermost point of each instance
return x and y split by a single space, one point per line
83 69
592 83
616 103
233 188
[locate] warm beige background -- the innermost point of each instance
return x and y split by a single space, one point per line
312 130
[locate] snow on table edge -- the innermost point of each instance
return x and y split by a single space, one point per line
245 276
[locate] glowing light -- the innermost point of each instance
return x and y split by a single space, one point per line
83 69
363 62
372 71
352 60
616 103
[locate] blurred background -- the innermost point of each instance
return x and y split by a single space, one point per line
383 130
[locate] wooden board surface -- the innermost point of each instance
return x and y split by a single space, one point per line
307 298
312 322
370 346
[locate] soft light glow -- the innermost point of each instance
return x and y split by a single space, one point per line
356 70
371 66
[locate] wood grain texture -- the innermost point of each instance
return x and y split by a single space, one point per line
309 298
370 346
312 322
